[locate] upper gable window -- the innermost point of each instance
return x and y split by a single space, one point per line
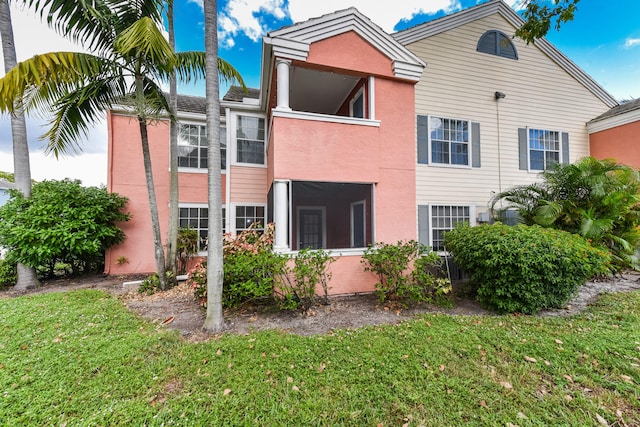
497 43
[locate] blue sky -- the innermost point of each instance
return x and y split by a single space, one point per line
604 40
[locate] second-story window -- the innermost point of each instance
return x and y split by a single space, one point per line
250 138
193 148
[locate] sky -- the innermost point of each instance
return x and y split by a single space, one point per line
603 40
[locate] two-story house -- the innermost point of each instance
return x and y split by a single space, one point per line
356 136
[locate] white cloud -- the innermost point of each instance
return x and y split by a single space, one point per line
631 42
379 12
32 37
247 17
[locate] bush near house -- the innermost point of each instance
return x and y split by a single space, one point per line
598 199
253 272
406 272
524 268
62 224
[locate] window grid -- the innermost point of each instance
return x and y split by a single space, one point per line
248 215
250 140
193 149
197 218
444 218
544 148
449 141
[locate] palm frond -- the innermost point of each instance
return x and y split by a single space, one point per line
77 111
144 39
45 74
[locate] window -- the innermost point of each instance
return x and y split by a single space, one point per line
196 218
444 218
356 106
544 148
193 148
497 43
449 141
250 140
540 148
446 141
248 215
434 220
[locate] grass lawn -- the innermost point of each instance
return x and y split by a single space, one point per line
81 358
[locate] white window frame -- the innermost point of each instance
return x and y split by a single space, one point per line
469 144
544 151
364 221
359 94
472 219
198 169
232 134
204 205
323 211
232 226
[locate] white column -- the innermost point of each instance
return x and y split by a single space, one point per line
283 83
281 215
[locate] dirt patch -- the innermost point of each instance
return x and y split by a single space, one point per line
177 308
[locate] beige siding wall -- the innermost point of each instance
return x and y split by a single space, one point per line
248 184
460 82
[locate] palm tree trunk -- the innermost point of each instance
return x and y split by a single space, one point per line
172 233
153 204
215 320
21 166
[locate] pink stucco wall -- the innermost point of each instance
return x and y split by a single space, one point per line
308 150
125 175
621 143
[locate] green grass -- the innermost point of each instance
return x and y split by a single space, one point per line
81 358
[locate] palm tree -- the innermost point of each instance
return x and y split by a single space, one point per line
172 229
21 166
131 57
598 199
214 321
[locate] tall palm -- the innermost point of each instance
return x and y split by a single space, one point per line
214 321
131 58
172 229
21 165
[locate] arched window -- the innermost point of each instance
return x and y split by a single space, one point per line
497 43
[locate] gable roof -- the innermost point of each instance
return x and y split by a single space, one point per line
622 114
293 42
437 26
237 94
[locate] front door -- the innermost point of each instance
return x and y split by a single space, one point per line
310 228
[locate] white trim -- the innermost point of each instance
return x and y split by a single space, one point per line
543 129
232 140
359 94
323 212
469 145
333 252
472 216
372 98
232 214
614 121
301 115
464 17
364 220
294 41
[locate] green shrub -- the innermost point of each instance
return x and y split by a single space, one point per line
8 273
151 284
250 268
250 276
405 271
524 268
297 287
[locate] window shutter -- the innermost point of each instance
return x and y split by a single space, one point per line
523 148
475 145
565 147
423 225
423 139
